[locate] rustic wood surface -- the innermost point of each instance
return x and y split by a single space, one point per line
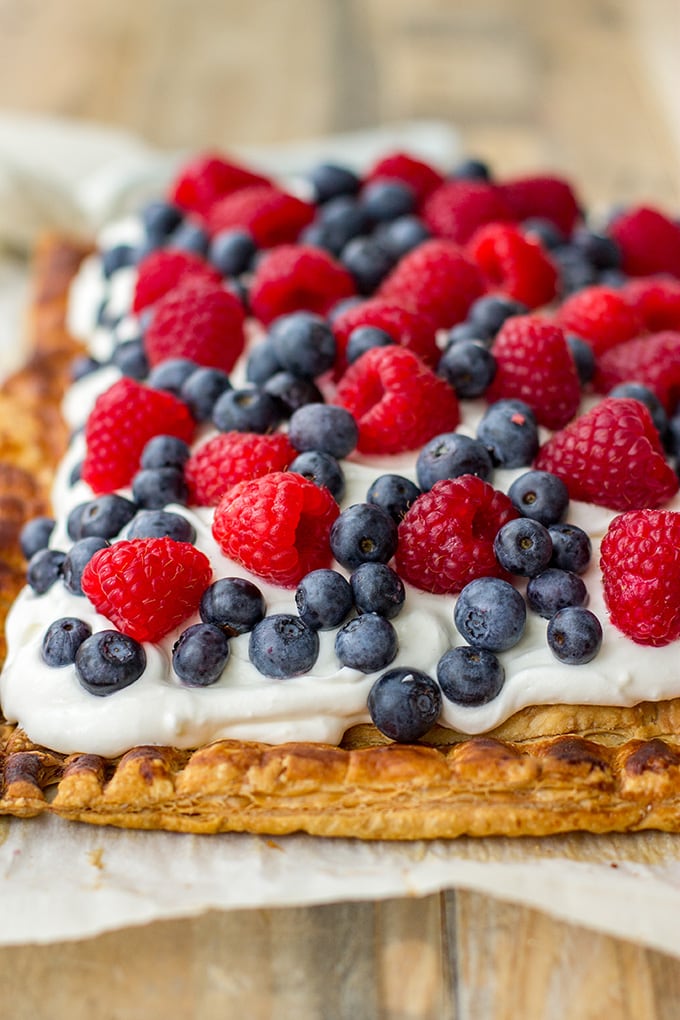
587 86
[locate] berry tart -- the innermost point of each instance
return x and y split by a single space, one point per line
348 507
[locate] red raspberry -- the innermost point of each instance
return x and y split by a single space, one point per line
203 323
436 278
640 563
544 197
601 316
458 208
397 401
122 421
277 526
399 166
514 264
651 360
148 586
270 215
612 456
162 270
208 177
649 242
413 330
657 299
446 538
295 277
534 364
232 457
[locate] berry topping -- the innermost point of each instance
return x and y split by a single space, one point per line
446 538
377 589
208 177
108 661
321 469
77 558
554 589
44 568
458 208
303 344
653 361
154 488
540 495
397 402
161 524
203 324
162 271
200 655
612 456
657 298
393 493
404 704
171 375
148 586
571 548
514 264
363 338
487 314
231 252
470 676
367 643
600 315
62 640
232 457
468 367
450 455
271 217
233 604
277 526
640 563
328 180
649 242
420 177
363 533
405 327
164 451
574 635
123 420
367 262
35 535
250 409
523 547
544 197
323 427
509 431
490 614
283 646
297 277
323 599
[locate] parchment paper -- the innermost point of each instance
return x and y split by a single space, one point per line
67 881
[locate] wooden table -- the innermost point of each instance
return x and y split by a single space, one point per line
587 86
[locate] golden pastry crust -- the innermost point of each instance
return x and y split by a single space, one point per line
548 769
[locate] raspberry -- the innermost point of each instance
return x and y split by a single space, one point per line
640 563
233 457
653 361
202 323
514 264
446 538
277 526
657 299
162 270
122 421
649 242
543 197
437 279
297 277
611 456
412 330
458 208
600 315
396 400
208 177
147 586
534 364
269 215
399 166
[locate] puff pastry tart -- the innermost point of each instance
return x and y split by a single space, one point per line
350 509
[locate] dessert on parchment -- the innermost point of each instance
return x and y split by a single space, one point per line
368 522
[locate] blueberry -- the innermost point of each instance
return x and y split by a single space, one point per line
303 343
77 558
154 488
283 646
401 235
385 200
367 262
574 635
540 495
471 169
548 235
342 306
364 533
464 331
62 640
105 516
490 614
367 643
83 366
323 427
190 236
555 589
470 676
646 397
35 535
73 520
250 409
293 391
171 375
393 493
232 251
322 469
328 180
404 704
571 548
600 250
377 589
130 357
509 431
323 599
44 568
164 451
200 654
233 604
161 524
262 363
451 455
118 257
615 278
468 367
201 390
108 661
584 358
574 269
523 547
160 218
340 219
490 312
363 339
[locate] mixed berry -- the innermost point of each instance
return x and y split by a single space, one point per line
382 304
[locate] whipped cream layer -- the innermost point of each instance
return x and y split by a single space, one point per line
55 710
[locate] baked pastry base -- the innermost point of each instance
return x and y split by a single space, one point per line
546 770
